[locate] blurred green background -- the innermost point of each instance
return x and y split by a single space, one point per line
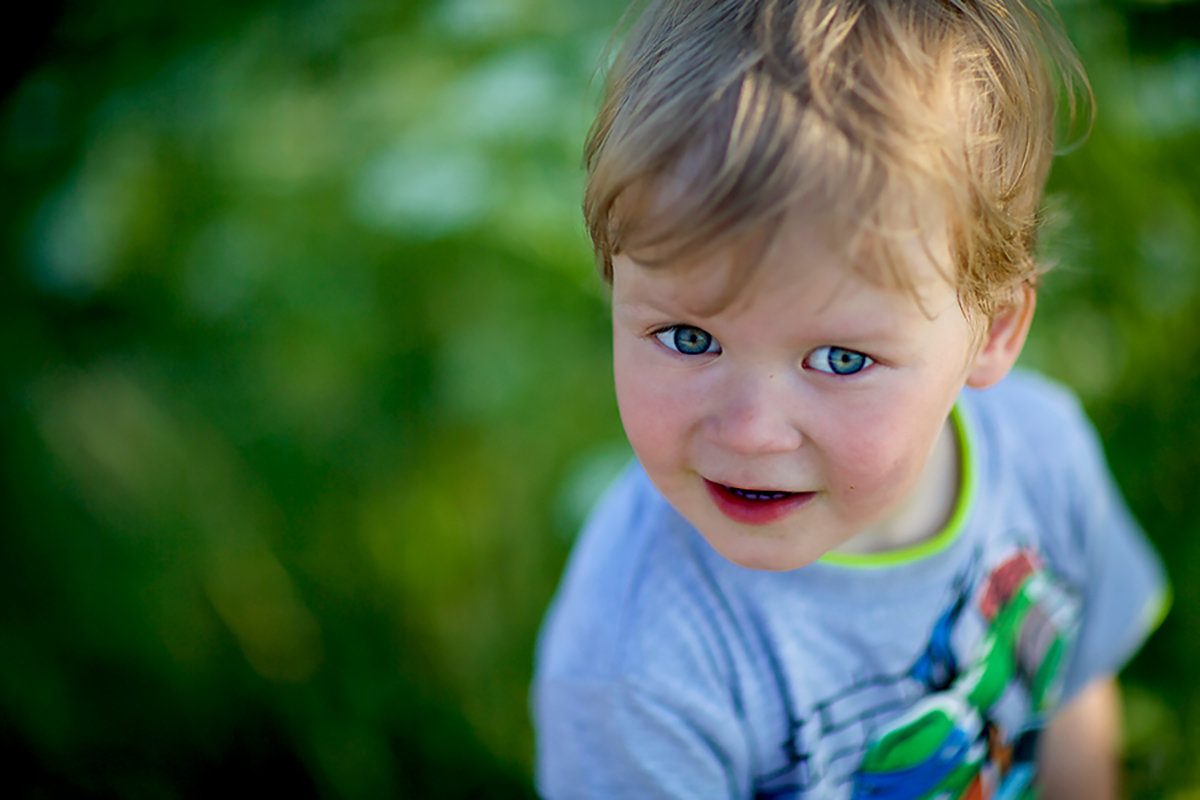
304 386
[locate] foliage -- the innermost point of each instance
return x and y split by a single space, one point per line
305 387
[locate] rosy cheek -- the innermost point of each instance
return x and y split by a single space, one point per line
872 463
647 413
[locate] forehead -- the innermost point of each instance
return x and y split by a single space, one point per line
908 256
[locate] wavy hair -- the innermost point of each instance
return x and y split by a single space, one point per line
721 116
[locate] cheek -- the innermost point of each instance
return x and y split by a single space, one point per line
884 456
654 419
873 461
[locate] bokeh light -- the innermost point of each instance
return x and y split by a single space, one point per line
305 384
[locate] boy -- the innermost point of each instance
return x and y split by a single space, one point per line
839 568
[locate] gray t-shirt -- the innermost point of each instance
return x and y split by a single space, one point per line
664 670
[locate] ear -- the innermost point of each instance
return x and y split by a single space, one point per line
1003 341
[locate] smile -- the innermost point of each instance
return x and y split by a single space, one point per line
755 506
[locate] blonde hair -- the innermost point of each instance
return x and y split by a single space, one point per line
720 116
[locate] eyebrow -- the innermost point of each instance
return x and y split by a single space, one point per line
852 327
669 305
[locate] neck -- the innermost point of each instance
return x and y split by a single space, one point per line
928 507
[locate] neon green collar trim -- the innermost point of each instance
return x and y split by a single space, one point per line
943 539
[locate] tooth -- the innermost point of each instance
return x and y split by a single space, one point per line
758 495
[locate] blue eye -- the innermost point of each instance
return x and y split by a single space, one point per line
688 340
838 360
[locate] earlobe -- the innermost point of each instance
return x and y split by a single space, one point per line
1003 341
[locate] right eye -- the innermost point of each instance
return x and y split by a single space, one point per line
688 340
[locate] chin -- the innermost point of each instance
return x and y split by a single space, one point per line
769 555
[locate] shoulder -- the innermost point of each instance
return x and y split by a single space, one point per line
1041 455
633 688
634 595
1029 406
1035 427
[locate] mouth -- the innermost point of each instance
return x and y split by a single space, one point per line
755 506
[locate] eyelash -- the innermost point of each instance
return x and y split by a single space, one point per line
864 361
668 337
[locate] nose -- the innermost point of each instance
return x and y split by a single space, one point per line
754 415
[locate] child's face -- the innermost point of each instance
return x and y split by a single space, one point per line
801 414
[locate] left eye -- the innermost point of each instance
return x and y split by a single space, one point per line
688 340
838 360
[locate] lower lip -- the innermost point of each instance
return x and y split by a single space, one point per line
755 512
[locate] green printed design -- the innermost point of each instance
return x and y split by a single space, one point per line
946 745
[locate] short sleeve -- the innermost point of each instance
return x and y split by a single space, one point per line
1125 592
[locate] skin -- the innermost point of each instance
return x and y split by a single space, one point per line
871 453
1078 755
